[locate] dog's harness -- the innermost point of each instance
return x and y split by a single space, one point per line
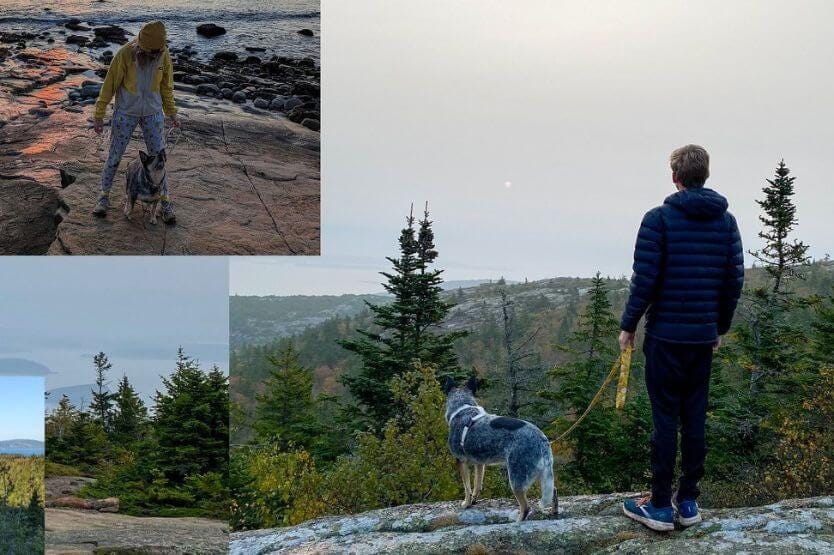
472 421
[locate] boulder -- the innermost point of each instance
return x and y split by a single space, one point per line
208 89
292 103
227 93
586 524
31 214
111 33
210 30
311 123
77 39
239 97
306 32
255 49
75 25
90 90
225 56
110 504
277 103
252 60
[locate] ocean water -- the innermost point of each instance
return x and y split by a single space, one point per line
270 24
22 452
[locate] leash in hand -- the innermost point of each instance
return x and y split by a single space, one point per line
622 366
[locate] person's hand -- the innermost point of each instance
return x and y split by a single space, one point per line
173 121
626 340
717 344
98 126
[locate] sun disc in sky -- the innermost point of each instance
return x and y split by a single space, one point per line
508 184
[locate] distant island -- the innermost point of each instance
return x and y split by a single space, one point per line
24 447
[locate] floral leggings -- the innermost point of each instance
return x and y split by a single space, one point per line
122 126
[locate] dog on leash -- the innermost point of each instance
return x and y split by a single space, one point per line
480 439
144 182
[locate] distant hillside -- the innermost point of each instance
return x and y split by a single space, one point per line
26 447
256 320
79 395
549 308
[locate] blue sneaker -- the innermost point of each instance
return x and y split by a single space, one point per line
687 509
642 510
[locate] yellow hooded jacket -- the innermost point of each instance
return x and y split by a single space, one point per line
122 73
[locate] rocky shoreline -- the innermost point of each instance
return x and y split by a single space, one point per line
287 85
244 179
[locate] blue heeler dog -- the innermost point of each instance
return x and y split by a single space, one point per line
479 439
144 182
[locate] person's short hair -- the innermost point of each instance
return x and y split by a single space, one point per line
690 164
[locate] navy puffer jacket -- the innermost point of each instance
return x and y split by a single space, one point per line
688 269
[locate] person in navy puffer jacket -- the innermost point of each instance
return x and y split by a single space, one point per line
688 276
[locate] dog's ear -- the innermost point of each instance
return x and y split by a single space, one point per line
448 385
144 158
472 384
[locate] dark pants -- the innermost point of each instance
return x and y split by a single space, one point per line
677 377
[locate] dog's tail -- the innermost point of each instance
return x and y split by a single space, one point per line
549 502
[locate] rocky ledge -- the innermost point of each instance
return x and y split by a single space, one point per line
586 524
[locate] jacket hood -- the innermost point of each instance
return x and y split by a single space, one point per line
701 203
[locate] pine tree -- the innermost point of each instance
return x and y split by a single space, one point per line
131 415
102 404
782 257
770 340
191 421
405 329
286 411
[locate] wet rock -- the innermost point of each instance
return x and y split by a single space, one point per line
111 34
210 30
239 97
227 93
277 103
16 37
261 103
225 56
292 103
208 89
311 123
75 25
77 39
306 32
90 89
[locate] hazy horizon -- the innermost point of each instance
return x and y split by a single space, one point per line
540 132
59 312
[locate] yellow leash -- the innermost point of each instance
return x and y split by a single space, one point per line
623 365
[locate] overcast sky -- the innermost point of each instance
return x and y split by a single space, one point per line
58 312
539 131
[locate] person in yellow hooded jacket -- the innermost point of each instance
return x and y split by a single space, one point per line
141 79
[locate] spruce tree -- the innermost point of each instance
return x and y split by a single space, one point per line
782 257
102 404
286 410
519 376
131 415
191 421
406 329
606 456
